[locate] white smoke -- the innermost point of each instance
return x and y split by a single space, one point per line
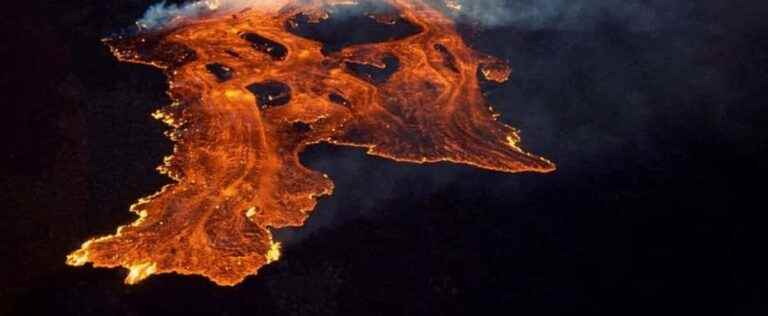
641 15
637 15
162 15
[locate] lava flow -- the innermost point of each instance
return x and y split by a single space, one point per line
251 92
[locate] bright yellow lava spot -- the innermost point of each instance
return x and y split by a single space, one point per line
79 257
234 94
274 252
251 211
140 271
161 116
142 216
512 141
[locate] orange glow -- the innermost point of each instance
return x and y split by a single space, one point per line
236 156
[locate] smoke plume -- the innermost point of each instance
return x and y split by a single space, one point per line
163 15
522 14
564 14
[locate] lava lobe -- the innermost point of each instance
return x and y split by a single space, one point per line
254 88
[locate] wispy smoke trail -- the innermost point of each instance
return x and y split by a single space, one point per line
162 15
525 14
563 14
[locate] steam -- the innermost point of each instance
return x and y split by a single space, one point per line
523 14
561 14
162 15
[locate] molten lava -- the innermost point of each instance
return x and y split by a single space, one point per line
250 95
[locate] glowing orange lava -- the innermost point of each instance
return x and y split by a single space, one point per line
250 96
